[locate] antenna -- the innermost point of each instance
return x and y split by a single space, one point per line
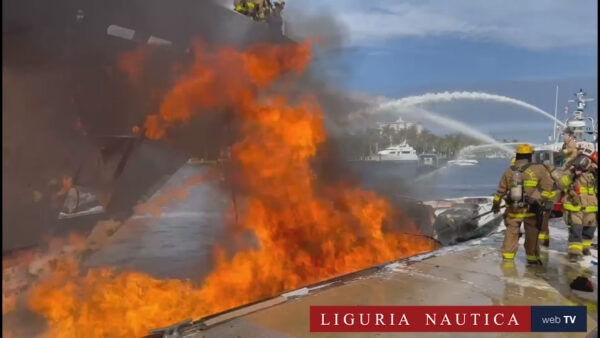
555 112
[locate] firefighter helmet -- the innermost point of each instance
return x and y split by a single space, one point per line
524 148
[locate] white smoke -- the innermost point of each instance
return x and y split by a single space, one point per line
412 101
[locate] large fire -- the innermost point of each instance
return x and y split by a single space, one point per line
305 232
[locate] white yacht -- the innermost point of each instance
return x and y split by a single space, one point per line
400 152
463 162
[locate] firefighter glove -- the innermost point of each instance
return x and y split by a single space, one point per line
495 208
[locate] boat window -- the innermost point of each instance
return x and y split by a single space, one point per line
406 152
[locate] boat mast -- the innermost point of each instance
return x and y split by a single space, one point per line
555 112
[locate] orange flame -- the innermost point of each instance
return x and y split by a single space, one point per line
223 79
305 232
19 269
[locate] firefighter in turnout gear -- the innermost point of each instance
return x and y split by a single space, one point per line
261 10
544 236
527 189
245 7
580 206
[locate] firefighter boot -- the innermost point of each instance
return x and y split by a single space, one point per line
575 242
588 236
532 248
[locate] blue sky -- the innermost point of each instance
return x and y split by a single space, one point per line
396 48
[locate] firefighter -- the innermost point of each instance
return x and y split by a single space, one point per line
262 10
245 7
569 149
527 188
240 6
544 235
581 207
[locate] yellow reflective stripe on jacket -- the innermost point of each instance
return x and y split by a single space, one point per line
496 198
591 209
585 190
508 255
524 215
571 207
566 181
530 183
544 236
250 5
549 194
587 243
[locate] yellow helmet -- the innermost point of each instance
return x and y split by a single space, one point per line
524 148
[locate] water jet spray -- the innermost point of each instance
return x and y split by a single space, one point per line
412 101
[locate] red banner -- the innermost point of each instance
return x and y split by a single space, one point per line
420 319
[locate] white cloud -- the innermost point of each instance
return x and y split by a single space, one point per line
532 24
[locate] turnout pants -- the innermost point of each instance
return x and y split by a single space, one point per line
511 237
590 223
544 236
582 226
